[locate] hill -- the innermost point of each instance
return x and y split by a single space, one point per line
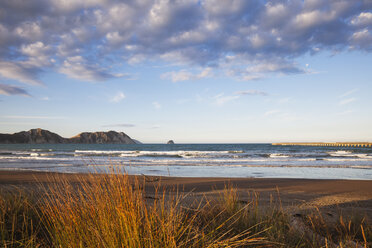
41 136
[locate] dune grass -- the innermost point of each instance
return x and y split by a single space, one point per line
114 211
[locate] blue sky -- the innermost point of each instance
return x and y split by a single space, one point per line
191 71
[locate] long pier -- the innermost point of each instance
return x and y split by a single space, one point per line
344 144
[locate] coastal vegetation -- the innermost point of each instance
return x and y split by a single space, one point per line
116 211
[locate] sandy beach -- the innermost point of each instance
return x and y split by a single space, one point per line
296 195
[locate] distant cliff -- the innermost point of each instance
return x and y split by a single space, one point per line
40 136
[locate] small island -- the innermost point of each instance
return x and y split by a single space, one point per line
170 142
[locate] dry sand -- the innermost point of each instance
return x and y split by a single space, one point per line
296 195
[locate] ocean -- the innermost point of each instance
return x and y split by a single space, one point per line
193 160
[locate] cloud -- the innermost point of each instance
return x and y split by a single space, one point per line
120 125
252 93
348 93
362 39
10 90
347 101
221 99
184 75
118 97
363 19
250 77
76 67
344 100
88 40
156 105
279 66
21 72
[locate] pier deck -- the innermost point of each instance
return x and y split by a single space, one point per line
344 144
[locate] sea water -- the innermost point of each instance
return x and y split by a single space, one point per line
192 160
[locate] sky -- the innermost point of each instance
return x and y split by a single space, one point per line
195 71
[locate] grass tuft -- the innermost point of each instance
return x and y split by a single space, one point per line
115 211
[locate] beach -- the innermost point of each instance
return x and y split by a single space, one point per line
296 195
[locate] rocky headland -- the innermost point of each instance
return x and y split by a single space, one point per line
110 137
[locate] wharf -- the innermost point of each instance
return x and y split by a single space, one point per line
342 144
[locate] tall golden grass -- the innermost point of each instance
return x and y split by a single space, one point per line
115 211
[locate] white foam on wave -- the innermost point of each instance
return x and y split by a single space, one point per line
102 152
363 155
14 158
350 154
183 154
171 165
341 153
278 155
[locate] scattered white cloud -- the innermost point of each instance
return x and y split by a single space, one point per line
362 39
76 67
261 68
254 39
38 54
252 93
10 90
46 98
363 19
347 101
183 75
156 105
251 77
348 93
221 99
20 71
279 66
345 97
118 97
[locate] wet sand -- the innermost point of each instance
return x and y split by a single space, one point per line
348 196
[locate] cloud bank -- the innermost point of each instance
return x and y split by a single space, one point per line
245 39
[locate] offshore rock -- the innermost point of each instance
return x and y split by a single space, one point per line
170 142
